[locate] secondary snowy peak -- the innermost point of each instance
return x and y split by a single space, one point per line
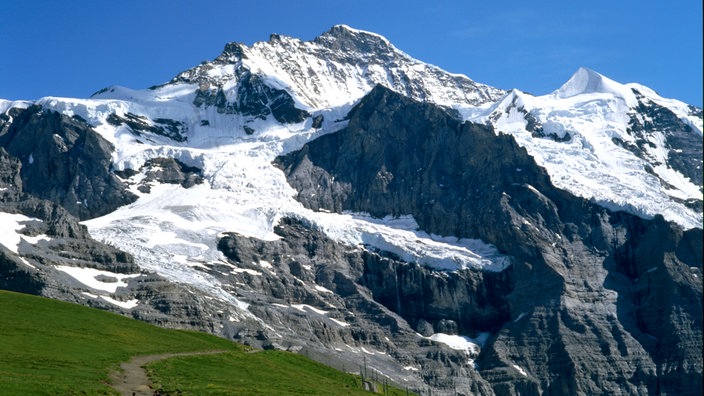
589 84
336 68
585 81
620 145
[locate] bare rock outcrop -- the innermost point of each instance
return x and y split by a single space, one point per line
65 161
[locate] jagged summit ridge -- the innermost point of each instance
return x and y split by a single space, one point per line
339 37
347 39
336 68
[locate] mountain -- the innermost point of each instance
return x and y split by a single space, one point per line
340 199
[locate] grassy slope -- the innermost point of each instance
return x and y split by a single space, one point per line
260 373
49 347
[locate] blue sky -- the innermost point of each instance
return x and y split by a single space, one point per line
73 48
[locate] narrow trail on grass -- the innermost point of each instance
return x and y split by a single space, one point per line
133 380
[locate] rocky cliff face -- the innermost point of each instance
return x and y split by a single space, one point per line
581 314
346 305
682 154
65 161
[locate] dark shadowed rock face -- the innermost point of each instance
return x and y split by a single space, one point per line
684 148
462 302
253 96
13 277
163 170
55 220
67 242
259 100
174 130
254 99
66 162
597 302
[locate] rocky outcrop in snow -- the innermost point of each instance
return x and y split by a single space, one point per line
65 161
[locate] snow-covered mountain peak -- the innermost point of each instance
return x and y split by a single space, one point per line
587 81
620 145
232 53
602 122
582 81
342 30
586 85
335 69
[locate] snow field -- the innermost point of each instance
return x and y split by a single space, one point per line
9 236
91 278
590 165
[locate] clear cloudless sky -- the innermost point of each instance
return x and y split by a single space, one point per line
73 48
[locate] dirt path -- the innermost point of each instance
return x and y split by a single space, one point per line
133 380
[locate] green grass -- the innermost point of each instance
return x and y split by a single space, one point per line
260 373
49 347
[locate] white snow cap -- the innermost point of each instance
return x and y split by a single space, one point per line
585 81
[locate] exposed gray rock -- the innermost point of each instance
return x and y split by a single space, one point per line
10 179
287 280
254 99
461 302
174 130
684 148
55 220
584 313
259 100
16 278
164 170
66 162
